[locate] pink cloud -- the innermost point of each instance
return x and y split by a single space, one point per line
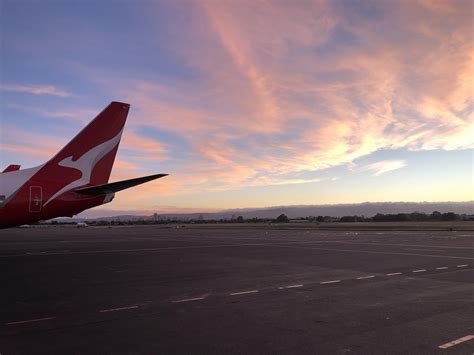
24 143
39 152
143 147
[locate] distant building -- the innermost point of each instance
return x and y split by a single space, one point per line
299 221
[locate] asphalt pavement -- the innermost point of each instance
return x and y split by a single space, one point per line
148 290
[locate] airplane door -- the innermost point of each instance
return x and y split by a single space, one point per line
36 198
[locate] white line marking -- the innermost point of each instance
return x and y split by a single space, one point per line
421 270
117 309
369 252
403 245
329 282
464 265
243 292
189 300
30 320
290 286
394 273
281 245
456 342
365 277
438 251
442 268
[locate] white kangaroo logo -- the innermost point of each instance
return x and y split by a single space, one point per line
85 164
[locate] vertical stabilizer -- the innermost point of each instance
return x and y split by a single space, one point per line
88 158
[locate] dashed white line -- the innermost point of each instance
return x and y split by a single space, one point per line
30 320
117 309
456 342
243 292
394 273
189 299
290 286
329 282
421 270
464 265
442 268
365 277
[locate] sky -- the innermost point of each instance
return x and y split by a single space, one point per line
249 103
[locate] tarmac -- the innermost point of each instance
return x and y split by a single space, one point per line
148 290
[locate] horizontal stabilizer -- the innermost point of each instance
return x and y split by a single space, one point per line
117 186
11 168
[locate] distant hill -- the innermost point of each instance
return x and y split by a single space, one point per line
367 209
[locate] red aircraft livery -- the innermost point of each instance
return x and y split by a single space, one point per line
74 180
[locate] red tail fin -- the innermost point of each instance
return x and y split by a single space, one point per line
96 144
88 158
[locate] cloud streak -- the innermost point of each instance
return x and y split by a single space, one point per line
385 166
35 89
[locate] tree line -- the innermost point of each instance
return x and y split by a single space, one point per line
282 218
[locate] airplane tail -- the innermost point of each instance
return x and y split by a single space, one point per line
88 158
95 147
75 179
